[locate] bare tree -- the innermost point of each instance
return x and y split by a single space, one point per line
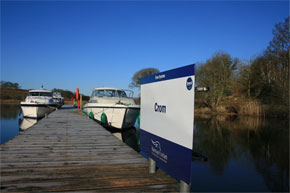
136 79
271 70
217 73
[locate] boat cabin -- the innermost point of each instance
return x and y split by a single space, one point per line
45 93
110 92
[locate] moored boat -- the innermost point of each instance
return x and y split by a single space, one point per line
113 107
58 99
38 103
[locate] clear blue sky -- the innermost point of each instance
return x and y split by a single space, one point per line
70 44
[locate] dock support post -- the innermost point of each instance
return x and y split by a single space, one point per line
152 166
184 187
81 102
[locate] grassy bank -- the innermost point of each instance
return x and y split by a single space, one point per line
245 107
10 95
9 101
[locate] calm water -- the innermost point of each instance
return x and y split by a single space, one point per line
12 122
243 154
10 115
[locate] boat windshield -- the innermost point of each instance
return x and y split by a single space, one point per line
122 94
109 93
48 94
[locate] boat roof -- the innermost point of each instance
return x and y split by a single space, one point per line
40 90
107 88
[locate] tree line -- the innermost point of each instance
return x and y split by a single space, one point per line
7 84
265 77
13 91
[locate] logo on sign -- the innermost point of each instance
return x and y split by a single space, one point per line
156 144
156 151
189 83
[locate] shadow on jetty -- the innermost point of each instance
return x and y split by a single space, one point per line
130 137
67 107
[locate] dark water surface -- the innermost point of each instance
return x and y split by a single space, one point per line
10 115
243 154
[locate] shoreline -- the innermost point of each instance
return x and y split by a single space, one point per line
269 111
17 102
8 101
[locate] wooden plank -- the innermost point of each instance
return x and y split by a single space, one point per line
68 152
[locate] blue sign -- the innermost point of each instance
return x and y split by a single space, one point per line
167 112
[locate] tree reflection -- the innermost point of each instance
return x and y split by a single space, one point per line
212 140
270 149
9 111
245 139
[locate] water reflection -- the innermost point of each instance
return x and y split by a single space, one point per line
25 123
9 111
253 152
10 115
12 122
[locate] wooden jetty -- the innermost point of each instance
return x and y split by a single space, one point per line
69 152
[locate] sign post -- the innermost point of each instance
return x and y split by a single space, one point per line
167 113
81 102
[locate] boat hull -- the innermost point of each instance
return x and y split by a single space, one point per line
36 111
119 117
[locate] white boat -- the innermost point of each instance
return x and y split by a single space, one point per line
58 99
38 103
112 107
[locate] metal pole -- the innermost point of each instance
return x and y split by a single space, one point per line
152 166
81 102
184 187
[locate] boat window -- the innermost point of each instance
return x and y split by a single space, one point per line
101 93
40 94
122 94
33 94
49 94
94 93
110 93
